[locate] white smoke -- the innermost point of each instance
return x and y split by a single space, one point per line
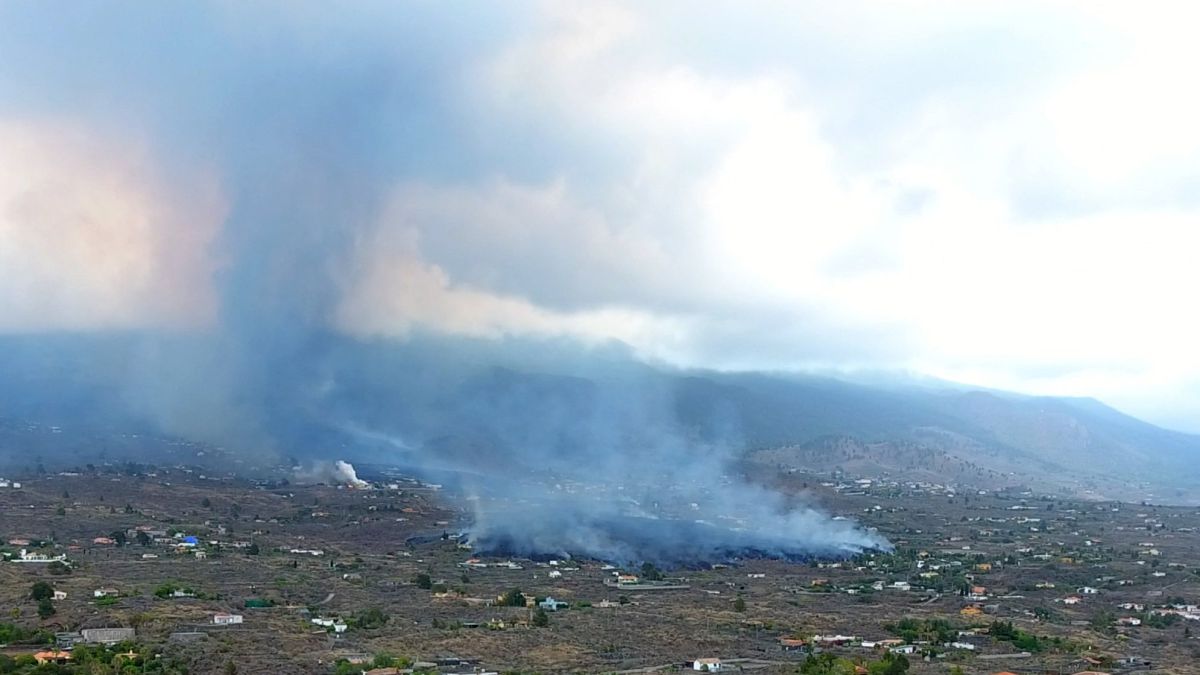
345 473
336 473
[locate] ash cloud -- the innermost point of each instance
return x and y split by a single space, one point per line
558 440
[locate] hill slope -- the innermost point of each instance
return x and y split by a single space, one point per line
451 405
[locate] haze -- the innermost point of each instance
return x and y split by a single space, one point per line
1000 194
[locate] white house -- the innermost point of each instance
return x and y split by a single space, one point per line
226 619
25 556
552 605
60 595
709 665
105 593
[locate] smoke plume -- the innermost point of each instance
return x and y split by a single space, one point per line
323 304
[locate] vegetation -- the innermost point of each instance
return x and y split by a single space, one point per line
650 572
513 598
826 663
937 631
370 618
41 591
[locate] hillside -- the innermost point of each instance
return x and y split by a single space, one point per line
566 412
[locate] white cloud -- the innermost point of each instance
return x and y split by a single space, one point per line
92 237
1003 191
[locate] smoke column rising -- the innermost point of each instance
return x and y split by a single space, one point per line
567 446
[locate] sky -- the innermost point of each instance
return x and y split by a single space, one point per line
1002 194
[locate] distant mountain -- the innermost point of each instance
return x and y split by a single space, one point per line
1076 444
562 410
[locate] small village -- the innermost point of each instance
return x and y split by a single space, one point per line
175 570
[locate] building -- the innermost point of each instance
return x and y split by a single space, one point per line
227 619
709 665
552 605
60 595
105 593
52 656
25 556
66 640
107 636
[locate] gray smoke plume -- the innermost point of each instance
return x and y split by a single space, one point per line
554 447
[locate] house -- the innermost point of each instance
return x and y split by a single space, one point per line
1129 621
552 605
104 541
1072 600
337 625
105 593
67 640
227 619
555 574
52 656
709 665
791 644
107 636
25 556
903 649
60 595
971 610
201 555
838 639
1088 590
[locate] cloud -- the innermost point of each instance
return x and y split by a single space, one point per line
93 238
985 191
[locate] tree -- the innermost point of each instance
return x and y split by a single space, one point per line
45 608
739 605
143 539
41 591
513 598
252 549
650 572
540 618
206 503
119 537
371 618
423 580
